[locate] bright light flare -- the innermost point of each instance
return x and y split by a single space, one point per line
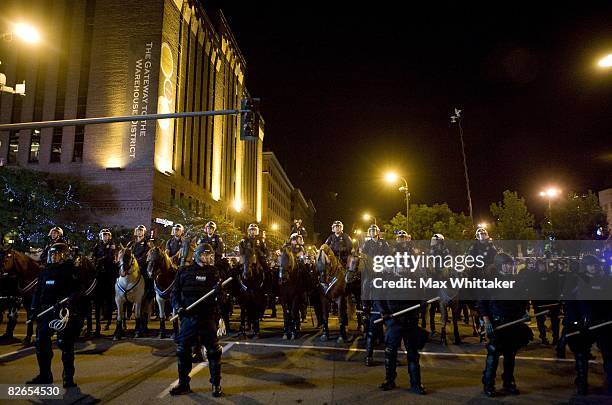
27 33
366 217
237 206
550 192
605 62
483 225
275 227
391 177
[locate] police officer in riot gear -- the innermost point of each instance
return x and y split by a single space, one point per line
174 245
483 246
374 246
104 259
587 305
339 242
140 249
506 341
254 241
212 238
404 328
56 235
58 280
193 282
545 283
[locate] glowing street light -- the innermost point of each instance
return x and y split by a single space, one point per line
392 178
274 227
368 217
237 206
483 225
550 194
605 62
358 231
26 32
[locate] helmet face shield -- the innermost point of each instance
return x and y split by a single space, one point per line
482 234
373 231
253 230
140 231
211 227
337 226
58 253
177 230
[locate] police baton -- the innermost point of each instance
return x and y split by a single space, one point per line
601 325
549 305
523 319
208 294
403 311
49 309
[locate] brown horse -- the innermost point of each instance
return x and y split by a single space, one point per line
19 278
291 290
163 272
332 277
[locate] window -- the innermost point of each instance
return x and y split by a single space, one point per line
34 146
56 145
79 138
13 147
172 197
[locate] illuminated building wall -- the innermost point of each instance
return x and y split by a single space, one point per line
112 58
277 189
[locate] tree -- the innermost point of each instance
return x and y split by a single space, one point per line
576 217
512 219
32 202
426 220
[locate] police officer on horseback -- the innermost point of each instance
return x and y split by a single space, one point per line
58 288
213 238
56 235
140 246
200 323
298 228
104 259
374 246
339 242
254 242
174 245
483 246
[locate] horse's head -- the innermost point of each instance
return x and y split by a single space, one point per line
7 261
127 262
250 264
353 261
323 259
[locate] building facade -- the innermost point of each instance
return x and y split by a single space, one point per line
605 201
114 58
277 199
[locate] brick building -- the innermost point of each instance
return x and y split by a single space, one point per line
115 57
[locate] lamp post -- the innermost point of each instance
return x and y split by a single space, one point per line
367 217
392 177
457 119
605 62
26 33
550 193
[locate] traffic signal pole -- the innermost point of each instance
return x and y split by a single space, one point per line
108 120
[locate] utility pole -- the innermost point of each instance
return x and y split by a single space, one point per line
457 119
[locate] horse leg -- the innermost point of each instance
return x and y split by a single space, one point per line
296 305
11 322
138 330
324 317
443 320
119 301
286 316
162 316
456 310
343 317
88 308
432 318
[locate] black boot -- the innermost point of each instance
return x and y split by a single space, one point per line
390 372
488 375
162 329
144 323
295 330
508 374
180 389
68 374
11 322
44 376
561 347
457 336
214 365
582 372
369 360
325 334
414 370
118 331
342 338
443 336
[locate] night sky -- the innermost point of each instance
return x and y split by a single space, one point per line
348 92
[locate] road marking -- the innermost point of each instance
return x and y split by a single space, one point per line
194 371
27 349
439 354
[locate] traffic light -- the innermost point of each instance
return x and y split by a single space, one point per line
249 121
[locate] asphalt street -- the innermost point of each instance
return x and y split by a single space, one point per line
270 370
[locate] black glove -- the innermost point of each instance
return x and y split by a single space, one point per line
217 288
181 312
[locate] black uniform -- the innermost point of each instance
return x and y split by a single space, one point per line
545 285
217 243
582 310
505 341
300 230
140 250
371 248
174 245
200 323
404 328
56 282
486 249
341 246
106 268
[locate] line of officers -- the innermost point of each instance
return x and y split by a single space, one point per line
59 280
592 273
60 291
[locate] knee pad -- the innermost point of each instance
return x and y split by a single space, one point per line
215 354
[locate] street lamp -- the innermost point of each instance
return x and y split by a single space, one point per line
274 227
367 217
357 231
483 225
26 32
605 62
550 193
391 178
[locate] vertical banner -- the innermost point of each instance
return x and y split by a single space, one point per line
142 87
